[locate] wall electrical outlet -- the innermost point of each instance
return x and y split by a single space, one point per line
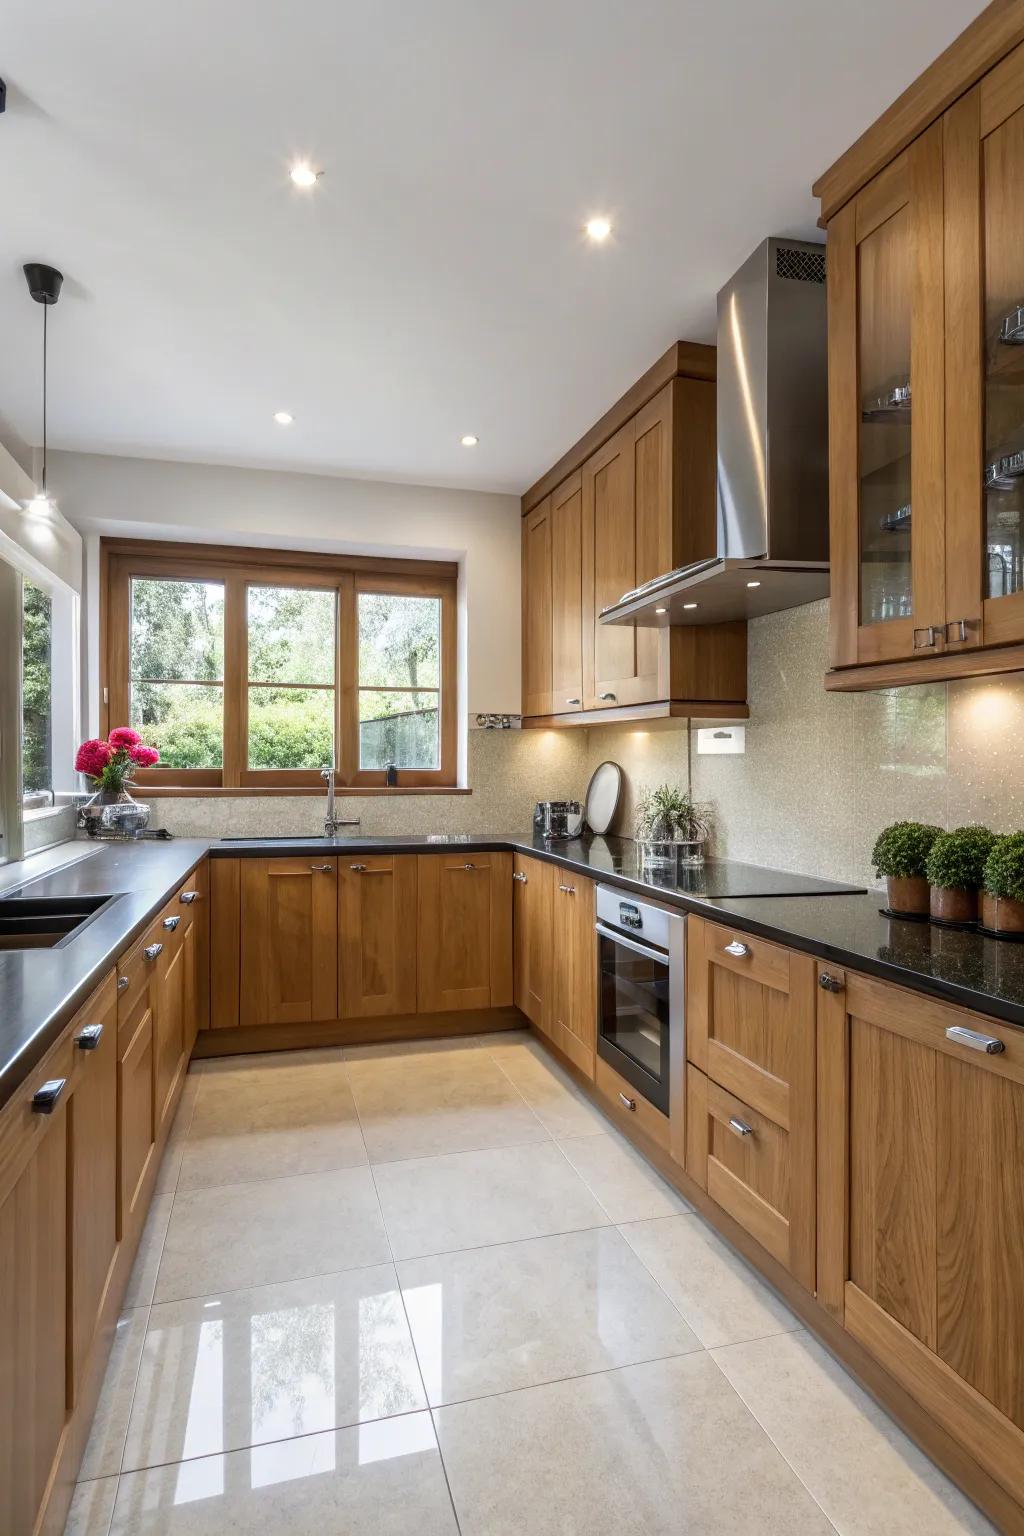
721 740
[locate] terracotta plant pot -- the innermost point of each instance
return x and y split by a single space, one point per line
949 905
1000 914
908 893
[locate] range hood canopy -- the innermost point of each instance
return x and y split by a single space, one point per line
772 523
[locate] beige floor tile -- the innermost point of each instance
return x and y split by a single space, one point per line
862 1469
414 1050
241 1235
489 1320
252 1124
438 1102
467 1199
722 1300
379 1479
110 1422
223 1372
170 1166
651 1450
142 1280
624 1182
91 1508
550 1092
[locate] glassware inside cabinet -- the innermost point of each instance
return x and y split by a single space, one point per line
884 317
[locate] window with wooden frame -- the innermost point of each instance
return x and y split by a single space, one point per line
255 669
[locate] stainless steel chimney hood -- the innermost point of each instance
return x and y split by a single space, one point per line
772 452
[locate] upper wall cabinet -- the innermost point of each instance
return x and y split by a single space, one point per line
639 503
926 387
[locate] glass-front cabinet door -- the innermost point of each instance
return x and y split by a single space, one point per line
885 274
984 197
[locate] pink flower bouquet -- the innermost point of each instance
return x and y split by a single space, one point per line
111 763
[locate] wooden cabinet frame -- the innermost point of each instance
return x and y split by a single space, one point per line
347 576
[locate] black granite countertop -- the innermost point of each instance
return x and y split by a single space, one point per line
41 989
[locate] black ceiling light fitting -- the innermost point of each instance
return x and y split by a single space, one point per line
44 285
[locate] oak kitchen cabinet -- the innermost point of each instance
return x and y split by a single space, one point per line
921 1204
464 931
534 883
640 503
288 940
926 396
573 972
377 921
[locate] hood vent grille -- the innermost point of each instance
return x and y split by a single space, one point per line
799 266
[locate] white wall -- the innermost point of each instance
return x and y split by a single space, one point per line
158 499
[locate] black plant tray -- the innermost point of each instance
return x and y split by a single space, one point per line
1001 933
908 917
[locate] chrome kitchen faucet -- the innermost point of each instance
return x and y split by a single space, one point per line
331 821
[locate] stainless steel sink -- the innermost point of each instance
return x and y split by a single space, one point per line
41 922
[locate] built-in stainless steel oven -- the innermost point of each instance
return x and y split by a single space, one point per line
641 959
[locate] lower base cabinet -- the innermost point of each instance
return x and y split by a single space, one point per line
464 931
574 969
376 942
534 882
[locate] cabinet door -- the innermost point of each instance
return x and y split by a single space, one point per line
136 1116
567 596
377 942
170 1012
611 671
921 1204
289 940
750 1030
574 969
887 413
465 931
33 1321
536 606
92 1163
531 917
984 168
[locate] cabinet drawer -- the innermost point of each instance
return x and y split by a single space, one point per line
22 1127
629 1108
757 959
136 970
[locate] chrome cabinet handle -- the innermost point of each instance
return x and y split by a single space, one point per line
740 1126
357 869
188 897
627 1103
977 1042
123 983
574 701
151 951
89 1039
171 922
607 696
961 626
44 1100
737 948
469 866
931 634
520 877
322 869
829 983
568 890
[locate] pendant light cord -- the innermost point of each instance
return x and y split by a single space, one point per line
45 309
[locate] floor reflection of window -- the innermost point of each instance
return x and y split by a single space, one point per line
288 1460
425 1306
405 1435
292 1370
204 1426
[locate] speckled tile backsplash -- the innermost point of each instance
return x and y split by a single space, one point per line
821 775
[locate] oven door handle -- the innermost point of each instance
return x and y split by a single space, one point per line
637 948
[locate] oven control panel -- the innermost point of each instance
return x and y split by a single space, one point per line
630 915
653 924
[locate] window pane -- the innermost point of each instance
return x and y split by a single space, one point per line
399 728
399 641
291 727
185 720
177 630
291 635
36 751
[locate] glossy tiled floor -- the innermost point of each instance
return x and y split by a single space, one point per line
428 1290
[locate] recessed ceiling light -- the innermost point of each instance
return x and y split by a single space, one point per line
599 229
689 605
661 610
753 583
303 174
470 440
283 418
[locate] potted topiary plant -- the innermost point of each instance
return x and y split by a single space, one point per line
900 854
1002 896
955 869
671 828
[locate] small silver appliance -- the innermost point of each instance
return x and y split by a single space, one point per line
558 820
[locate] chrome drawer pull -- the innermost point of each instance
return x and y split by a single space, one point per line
627 1103
568 890
89 1039
574 701
123 983
829 983
740 1127
188 897
151 951
520 877
171 922
610 696
469 866
321 869
44 1100
357 869
738 949
977 1042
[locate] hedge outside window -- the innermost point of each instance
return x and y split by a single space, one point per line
257 668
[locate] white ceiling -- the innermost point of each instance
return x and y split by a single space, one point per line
436 281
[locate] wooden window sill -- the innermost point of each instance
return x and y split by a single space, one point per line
216 791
